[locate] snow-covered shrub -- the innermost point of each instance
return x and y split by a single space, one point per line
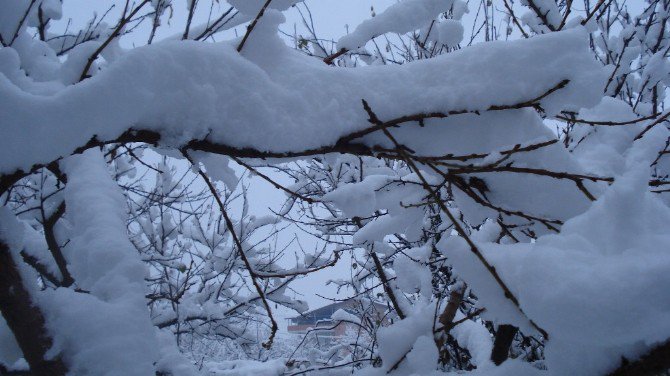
503 198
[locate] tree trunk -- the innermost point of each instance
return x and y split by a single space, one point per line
502 343
25 320
655 362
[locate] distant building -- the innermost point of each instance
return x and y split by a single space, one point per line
321 318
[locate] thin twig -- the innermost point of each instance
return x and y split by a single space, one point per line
117 31
329 59
23 19
419 117
251 26
515 19
191 10
238 244
653 124
457 226
607 123
568 9
595 9
274 183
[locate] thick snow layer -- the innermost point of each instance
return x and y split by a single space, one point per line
108 268
354 199
247 367
602 150
583 286
476 338
411 277
403 337
423 357
190 90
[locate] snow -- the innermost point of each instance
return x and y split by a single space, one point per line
450 32
107 267
423 356
581 286
10 353
510 367
602 151
400 338
354 199
243 368
483 284
401 17
250 101
35 246
412 277
376 230
549 11
217 168
476 338
342 315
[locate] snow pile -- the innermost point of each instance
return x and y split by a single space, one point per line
450 32
109 270
411 338
476 338
582 285
354 199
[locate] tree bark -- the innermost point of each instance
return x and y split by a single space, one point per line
447 321
502 343
655 362
24 319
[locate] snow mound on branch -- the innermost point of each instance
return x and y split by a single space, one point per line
402 337
607 151
401 18
354 199
104 263
450 32
583 286
476 338
342 315
108 268
189 90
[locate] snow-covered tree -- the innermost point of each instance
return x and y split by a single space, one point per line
504 197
